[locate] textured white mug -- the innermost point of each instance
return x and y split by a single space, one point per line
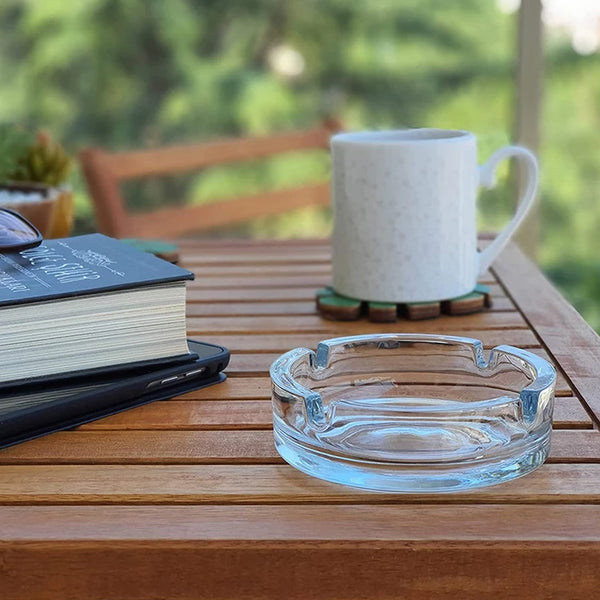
404 206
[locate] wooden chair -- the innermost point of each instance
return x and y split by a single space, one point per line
105 171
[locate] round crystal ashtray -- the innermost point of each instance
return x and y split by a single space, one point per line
412 412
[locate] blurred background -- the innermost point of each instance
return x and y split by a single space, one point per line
125 74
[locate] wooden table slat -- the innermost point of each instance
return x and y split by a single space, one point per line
568 338
243 446
256 365
265 484
314 323
244 266
257 414
293 308
282 342
251 293
355 523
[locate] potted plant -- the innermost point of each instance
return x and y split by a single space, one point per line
33 169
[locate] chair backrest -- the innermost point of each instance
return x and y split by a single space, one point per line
105 171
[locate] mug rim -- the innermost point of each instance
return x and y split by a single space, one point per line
397 137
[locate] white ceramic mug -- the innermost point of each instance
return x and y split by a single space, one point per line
404 206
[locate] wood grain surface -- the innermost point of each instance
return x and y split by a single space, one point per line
188 498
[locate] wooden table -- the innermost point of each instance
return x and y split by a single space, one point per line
187 498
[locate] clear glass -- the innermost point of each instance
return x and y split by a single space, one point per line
16 232
412 412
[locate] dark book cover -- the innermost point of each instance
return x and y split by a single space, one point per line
141 366
78 266
28 412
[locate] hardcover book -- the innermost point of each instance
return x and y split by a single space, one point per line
85 303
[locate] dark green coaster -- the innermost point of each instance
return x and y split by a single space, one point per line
416 311
382 312
338 308
341 308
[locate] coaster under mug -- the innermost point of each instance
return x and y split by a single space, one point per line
336 307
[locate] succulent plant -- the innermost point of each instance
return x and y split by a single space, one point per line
14 143
44 161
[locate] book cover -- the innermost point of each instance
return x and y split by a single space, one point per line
77 266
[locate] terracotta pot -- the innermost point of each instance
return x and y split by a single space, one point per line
62 217
53 216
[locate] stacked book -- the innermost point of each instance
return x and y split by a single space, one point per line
94 319
85 303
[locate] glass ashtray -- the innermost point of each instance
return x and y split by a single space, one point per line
412 412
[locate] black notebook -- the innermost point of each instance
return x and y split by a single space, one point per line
29 411
85 303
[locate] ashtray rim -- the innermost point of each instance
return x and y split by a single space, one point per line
543 373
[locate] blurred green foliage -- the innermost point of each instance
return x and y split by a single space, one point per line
138 73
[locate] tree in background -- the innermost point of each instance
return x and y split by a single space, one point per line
149 72
144 73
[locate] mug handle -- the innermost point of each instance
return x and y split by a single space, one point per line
526 201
